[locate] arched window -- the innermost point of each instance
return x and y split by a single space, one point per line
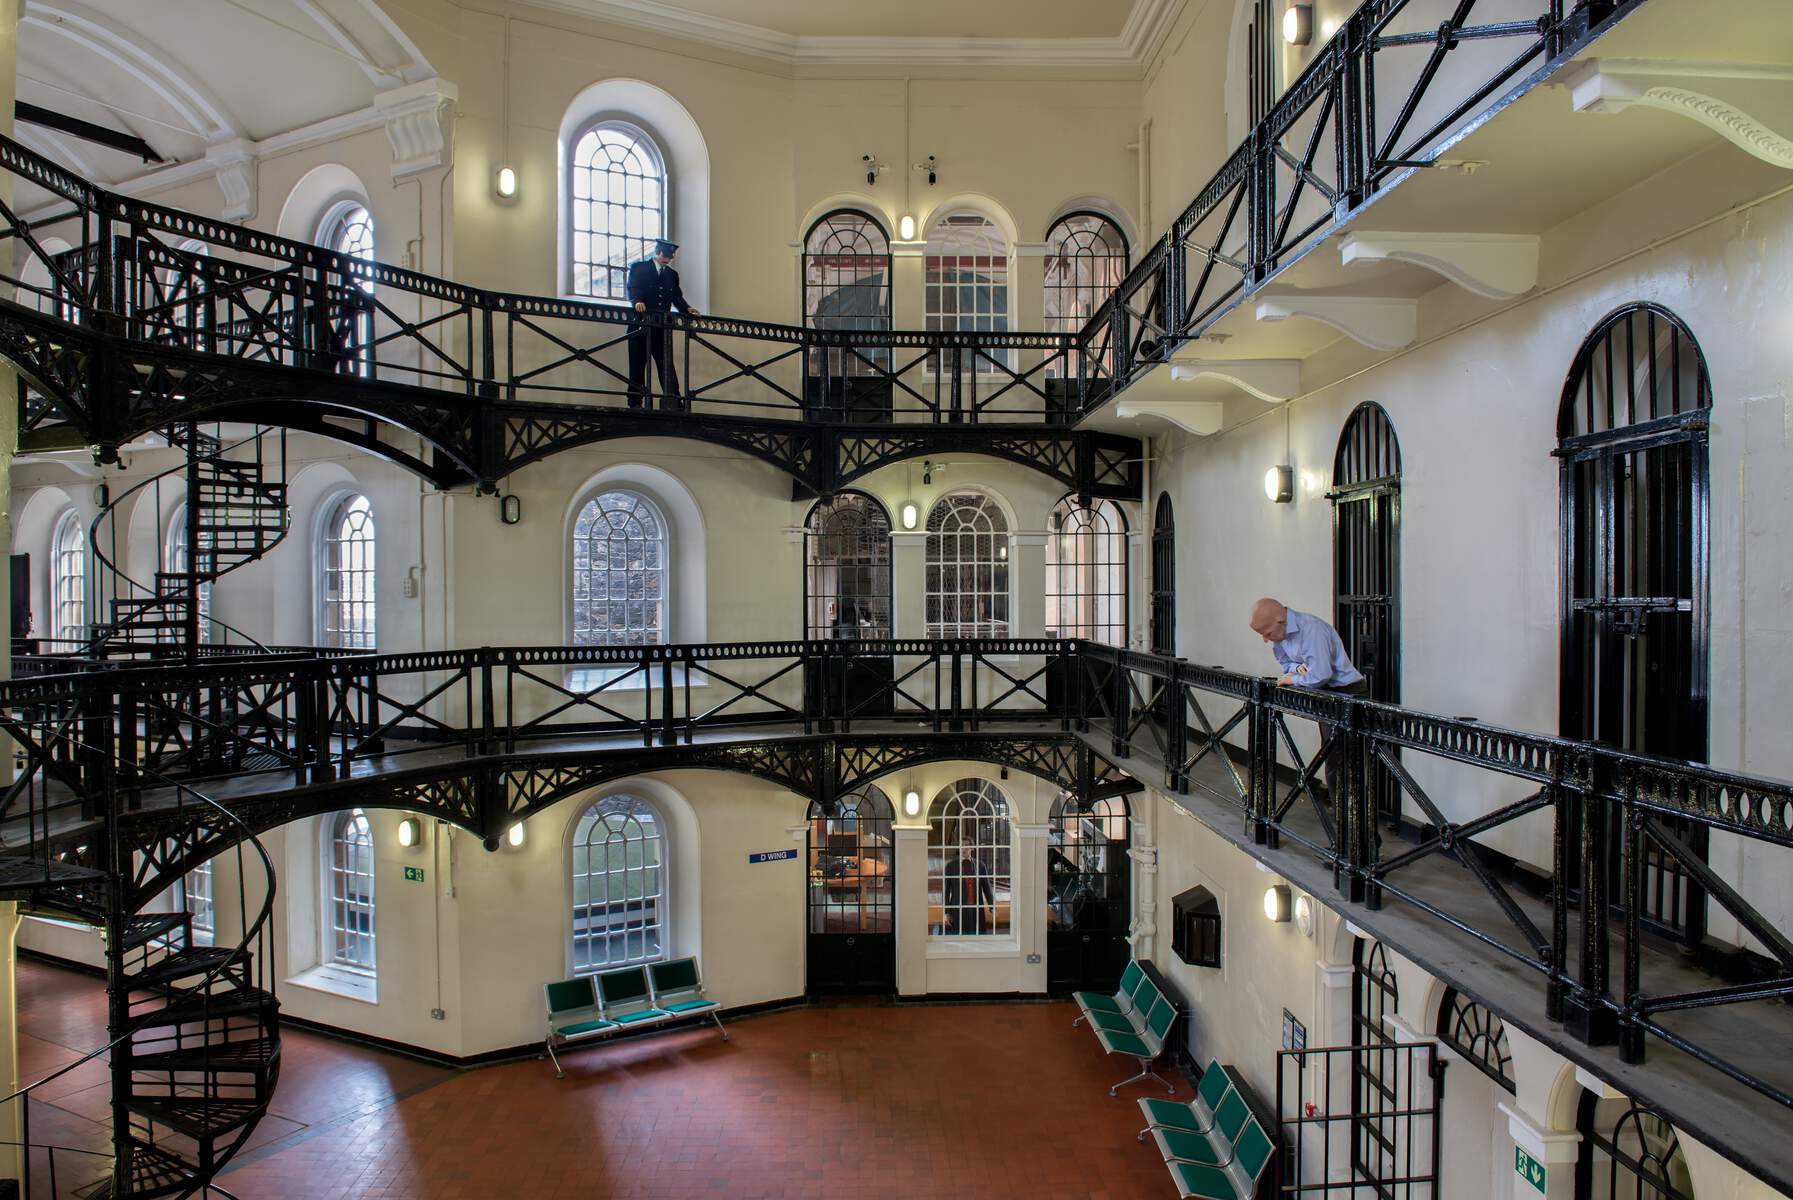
967 270
1375 996
68 581
616 206
345 572
1478 1035
349 230
349 886
619 885
852 863
846 581
1164 577
967 588
1629 1152
197 888
177 561
846 272
1086 864
1086 572
1633 462
619 572
1086 259
969 839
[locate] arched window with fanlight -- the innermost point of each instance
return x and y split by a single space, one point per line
1476 1033
347 607
967 568
349 933
970 842
1366 566
619 560
1086 259
619 887
68 582
1086 572
966 281
846 578
1628 1151
852 893
846 286
348 229
616 206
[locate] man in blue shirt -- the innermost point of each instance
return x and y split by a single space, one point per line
1311 655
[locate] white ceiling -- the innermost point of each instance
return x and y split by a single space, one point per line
922 18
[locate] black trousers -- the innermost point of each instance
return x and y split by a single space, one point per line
1335 758
653 343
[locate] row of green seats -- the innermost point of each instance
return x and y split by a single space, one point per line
593 1006
1215 1146
1135 1021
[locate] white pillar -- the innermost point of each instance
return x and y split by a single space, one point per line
1027 584
908 583
912 909
1027 905
1540 1152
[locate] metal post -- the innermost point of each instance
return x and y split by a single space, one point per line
1262 759
1562 811
1176 732
1586 1012
1121 709
957 720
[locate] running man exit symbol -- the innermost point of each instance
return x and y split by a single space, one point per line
1528 1169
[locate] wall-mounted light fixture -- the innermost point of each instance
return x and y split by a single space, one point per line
906 228
1279 483
410 832
510 509
911 804
928 166
1304 916
1277 901
504 183
909 514
1298 24
515 835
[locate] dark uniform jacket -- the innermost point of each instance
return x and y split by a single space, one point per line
656 288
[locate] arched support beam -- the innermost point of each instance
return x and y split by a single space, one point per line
1498 266
1272 380
1201 417
1379 322
1747 104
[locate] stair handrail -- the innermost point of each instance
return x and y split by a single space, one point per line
109 510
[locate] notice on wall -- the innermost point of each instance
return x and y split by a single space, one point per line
765 856
414 874
1528 1169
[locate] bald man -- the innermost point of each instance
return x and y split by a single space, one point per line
1311 656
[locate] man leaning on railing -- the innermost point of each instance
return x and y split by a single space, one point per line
1311 655
654 288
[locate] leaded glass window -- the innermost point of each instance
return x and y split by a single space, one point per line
1086 259
619 572
1473 1031
619 885
68 581
618 185
852 865
1086 572
346 570
967 279
969 846
967 571
846 286
847 569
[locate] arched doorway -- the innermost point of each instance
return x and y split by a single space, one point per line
1632 440
1164 578
1088 893
1366 565
851 897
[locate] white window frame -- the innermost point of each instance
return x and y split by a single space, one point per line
952 231
634 245
68 580
991 846
654 928
951 552
659 576
346 831
329 605
1086 572
197 899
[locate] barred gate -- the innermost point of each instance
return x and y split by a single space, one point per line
1322 1126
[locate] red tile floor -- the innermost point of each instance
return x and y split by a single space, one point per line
913 1101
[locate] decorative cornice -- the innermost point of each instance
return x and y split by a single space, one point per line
416 125
1130 50
1715 94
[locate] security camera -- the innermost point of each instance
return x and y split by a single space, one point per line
871 169
928 166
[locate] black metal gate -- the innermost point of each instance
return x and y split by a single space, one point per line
1088 897
1366 565
1633 444
1164 578
851 917
1376 1102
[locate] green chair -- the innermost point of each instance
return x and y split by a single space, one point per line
573 1015
1145 1045
1196 1181
1139 1002
626 997
1198 1115
679 991
1101 1002
1214 1151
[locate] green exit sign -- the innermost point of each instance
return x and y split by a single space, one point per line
1528 1169
414 874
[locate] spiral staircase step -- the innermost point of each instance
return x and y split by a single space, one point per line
256 1055
188 1007
186 963
149 1171
199 1117
144 928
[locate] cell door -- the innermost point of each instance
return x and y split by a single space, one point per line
851 901
1366 572
1164 578
1633 430
1088 898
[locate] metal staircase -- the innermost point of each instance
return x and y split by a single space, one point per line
235 513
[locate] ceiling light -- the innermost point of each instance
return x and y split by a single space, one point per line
1298 24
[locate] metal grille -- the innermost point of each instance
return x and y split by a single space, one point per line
1086 864
68 580
1635 665
348 575
1375 1071
1086 259
852 865
619 572
176 561
847 569
969 841
618 203
967 592
619 886
351 888
1086 572
967 273
846 285
197 889
1164 577
1366 571
1636 1156
1478 1035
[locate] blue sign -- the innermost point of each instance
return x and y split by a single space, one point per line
771 856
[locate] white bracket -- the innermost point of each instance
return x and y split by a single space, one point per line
1203 417
417 124
233 163
1498 266
1379 322
1272 380
1741 102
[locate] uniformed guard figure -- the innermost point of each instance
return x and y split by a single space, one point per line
654 287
